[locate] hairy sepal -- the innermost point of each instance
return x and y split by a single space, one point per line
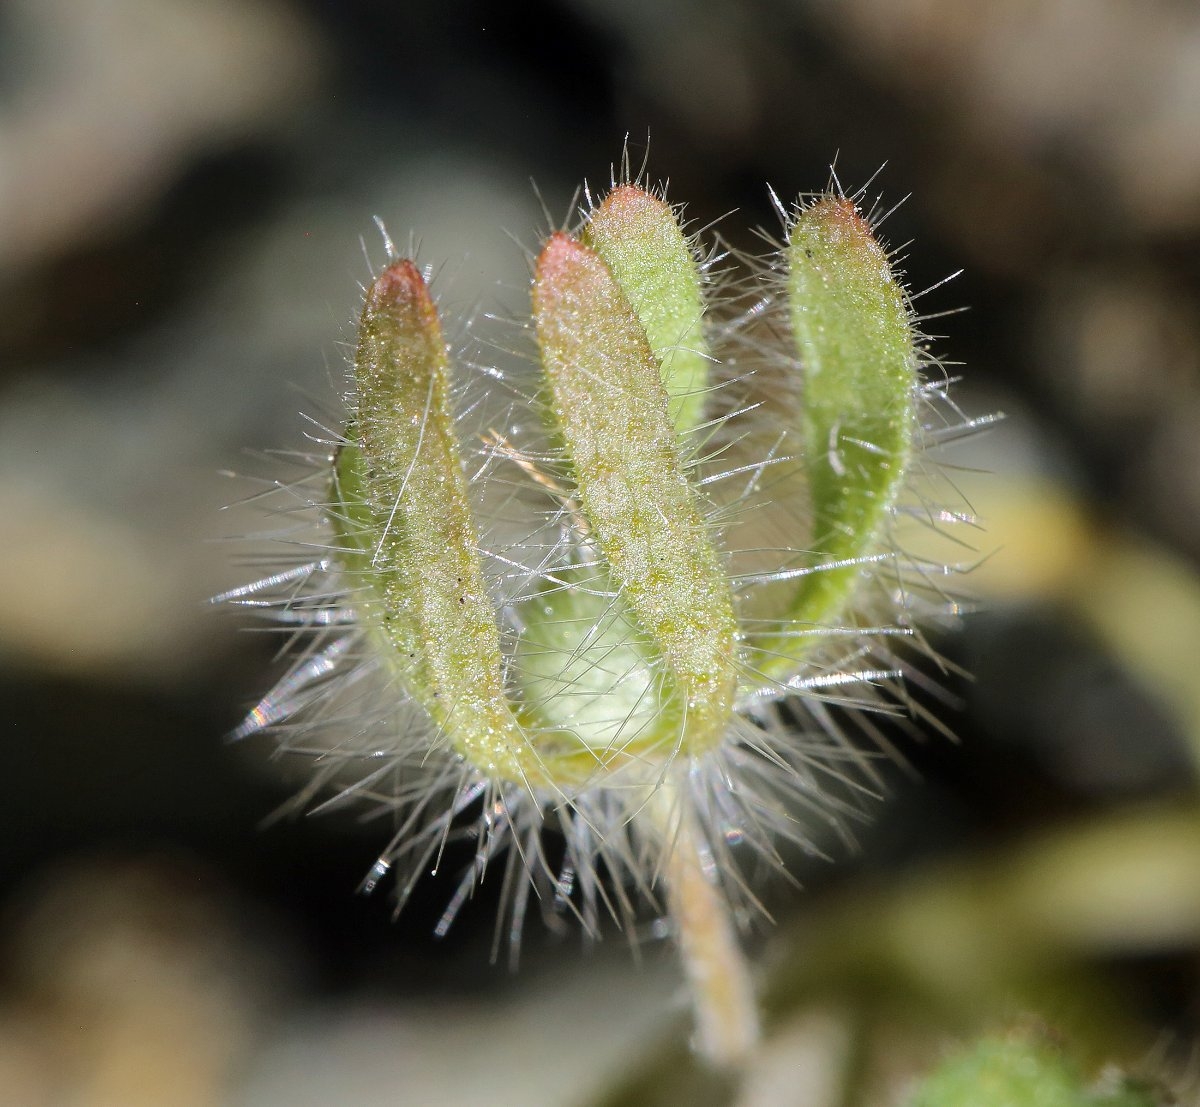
408 525
857 348
641 241
612 412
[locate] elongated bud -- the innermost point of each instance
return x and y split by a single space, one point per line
640 239
854 336
407 513
612 411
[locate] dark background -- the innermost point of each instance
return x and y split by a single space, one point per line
186 187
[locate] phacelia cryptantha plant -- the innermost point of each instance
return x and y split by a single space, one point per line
648 595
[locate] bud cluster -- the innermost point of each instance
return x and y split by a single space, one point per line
700 602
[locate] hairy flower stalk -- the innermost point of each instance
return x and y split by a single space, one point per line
565 624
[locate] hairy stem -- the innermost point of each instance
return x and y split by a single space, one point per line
718 975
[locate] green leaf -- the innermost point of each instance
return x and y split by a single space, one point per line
1003 1072
1018 1070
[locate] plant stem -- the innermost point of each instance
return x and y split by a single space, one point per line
718 975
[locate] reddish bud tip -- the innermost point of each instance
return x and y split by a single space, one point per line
842 220
399 281
559 254
400 292
567 270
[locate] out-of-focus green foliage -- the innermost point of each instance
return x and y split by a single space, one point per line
1018 1071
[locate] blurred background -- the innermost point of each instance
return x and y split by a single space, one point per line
186 187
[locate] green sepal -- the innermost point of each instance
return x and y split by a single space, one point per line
611 410
854 337
406 513
639 237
